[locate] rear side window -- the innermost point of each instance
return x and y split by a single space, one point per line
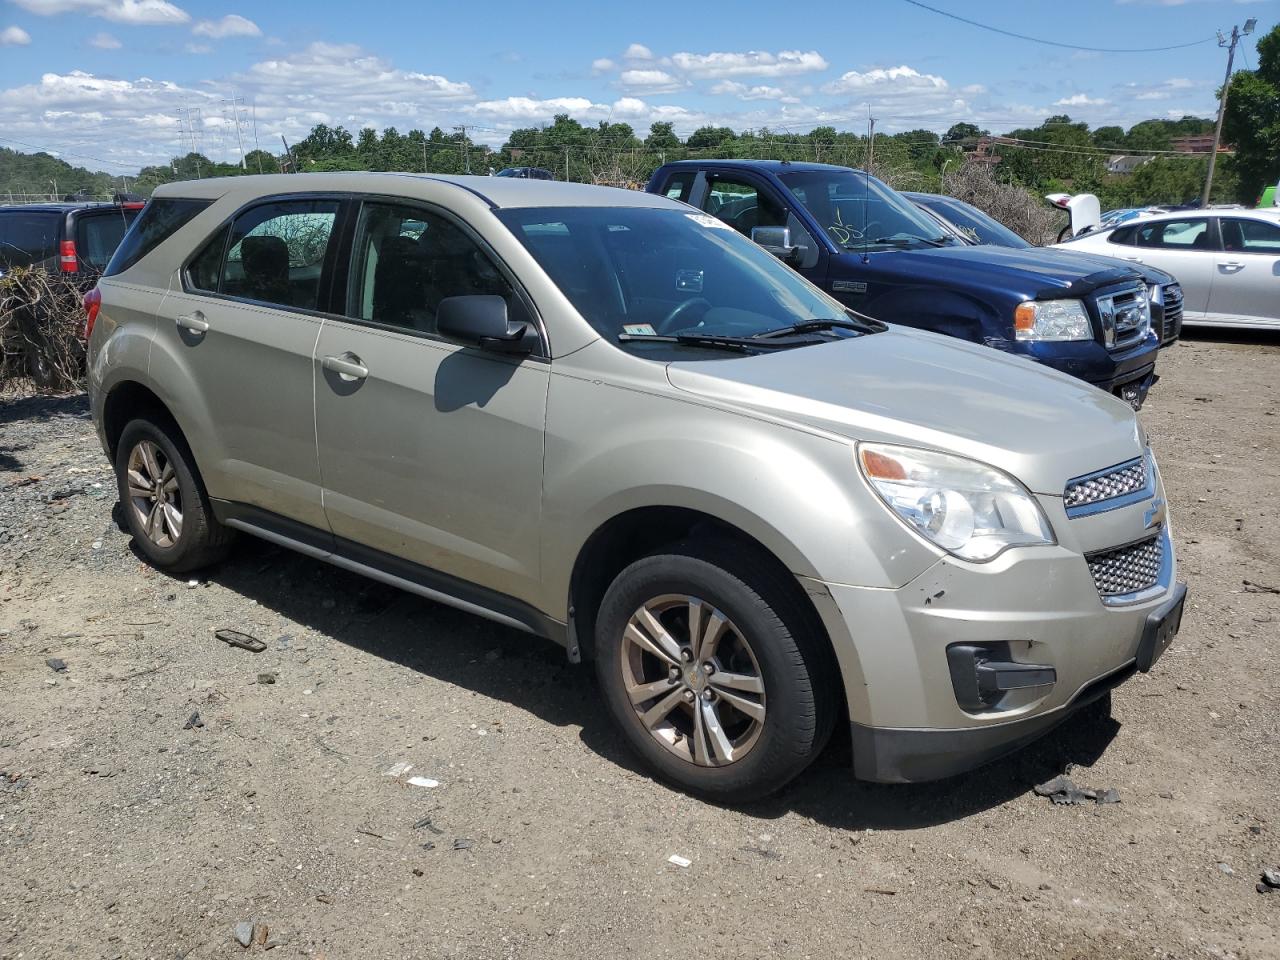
680 185
161 219
28 238
1175 234
1123 235
98 236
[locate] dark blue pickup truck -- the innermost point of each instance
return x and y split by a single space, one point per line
876 252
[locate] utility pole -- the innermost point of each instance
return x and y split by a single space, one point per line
871 142
566 164
256 149
466 153
1236 34
235 103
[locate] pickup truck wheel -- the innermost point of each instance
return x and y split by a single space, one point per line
164 502
706 666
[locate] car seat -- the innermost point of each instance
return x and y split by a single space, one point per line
266 269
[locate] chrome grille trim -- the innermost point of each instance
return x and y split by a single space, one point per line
1121 316
1110 488
1173 306
1134 572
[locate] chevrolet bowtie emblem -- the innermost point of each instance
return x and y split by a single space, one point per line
1156 513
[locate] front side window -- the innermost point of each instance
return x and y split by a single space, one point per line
742 206
276 251
28 238
680 185
1250 236
859 212
644 272
1190 234
160 219
406 260
1124 235
98 235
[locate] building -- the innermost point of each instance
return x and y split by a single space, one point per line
1200 143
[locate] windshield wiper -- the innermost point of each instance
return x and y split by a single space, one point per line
744 344
813 326
902 239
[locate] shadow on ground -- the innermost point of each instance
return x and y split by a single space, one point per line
534 675
27 408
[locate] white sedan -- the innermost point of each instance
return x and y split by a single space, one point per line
1227 261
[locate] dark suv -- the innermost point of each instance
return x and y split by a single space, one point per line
71 237
875 251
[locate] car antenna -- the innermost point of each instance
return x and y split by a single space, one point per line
866 212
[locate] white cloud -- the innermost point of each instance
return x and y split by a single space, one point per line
232 25
603 65
637 51
758 92
1080 100
898 78
14 37
649 81
147 12
199 49
104 41
753 63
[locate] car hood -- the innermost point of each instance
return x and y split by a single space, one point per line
1030 273
1148 273
922 389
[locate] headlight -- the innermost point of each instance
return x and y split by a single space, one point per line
1052 320
965 507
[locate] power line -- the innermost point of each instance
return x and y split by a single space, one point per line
1053 43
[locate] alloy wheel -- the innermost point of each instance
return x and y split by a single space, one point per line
693 680
154 495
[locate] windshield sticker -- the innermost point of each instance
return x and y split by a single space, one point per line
689 281
709 222
639 330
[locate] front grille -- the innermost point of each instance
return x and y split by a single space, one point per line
1172 311
1117 481
1123 322
1128 569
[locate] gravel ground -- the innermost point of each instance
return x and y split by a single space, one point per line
126 831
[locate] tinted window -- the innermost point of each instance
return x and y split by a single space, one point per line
1250 236
98 235
680 185
975 224
739 204
406 260
160 219
276 252
1191 234
1123 235
644 271
28 237
206 269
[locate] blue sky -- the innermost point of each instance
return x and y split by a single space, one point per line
106 79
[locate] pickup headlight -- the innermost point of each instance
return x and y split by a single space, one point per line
965 507
1052 320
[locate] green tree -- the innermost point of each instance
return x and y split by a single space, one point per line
1252 121
661 137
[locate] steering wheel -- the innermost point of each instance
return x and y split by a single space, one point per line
679 311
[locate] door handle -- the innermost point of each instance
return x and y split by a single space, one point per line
347 365
195 322
1231 266
1134 259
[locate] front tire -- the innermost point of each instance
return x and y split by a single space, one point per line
713 672
165 506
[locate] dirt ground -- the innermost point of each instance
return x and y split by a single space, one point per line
124 833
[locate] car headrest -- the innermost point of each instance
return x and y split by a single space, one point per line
265 256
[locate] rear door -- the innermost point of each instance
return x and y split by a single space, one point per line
1185 247
431 452
1246 285
243 326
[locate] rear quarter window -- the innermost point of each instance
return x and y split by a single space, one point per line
28 237
99 234
161 219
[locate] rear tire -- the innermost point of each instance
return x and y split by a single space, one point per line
713 671
165 506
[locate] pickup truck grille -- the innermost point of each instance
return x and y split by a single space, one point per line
1128 569
1172 312
1123 322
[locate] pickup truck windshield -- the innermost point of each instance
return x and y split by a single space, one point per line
639 272
976 225
860 212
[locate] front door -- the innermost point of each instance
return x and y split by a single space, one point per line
242 328
744 202
1185 248
430 451
1246 284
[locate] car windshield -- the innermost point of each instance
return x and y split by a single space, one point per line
859 212
640 272
974 223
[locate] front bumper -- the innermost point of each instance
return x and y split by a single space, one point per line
1038 605
1094 363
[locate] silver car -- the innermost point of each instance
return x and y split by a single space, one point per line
605 418
1227 261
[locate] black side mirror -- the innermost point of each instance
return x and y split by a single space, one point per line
481 321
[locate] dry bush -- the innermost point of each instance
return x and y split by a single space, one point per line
41 318
1016 207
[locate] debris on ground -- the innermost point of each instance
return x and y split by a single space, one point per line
423 782
426 822
1063 791
1271 877
193 721
266 678
244 933
1252 587
242 640
679 861
1226 868
762 852
463 843
397 769
56 665
260 932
